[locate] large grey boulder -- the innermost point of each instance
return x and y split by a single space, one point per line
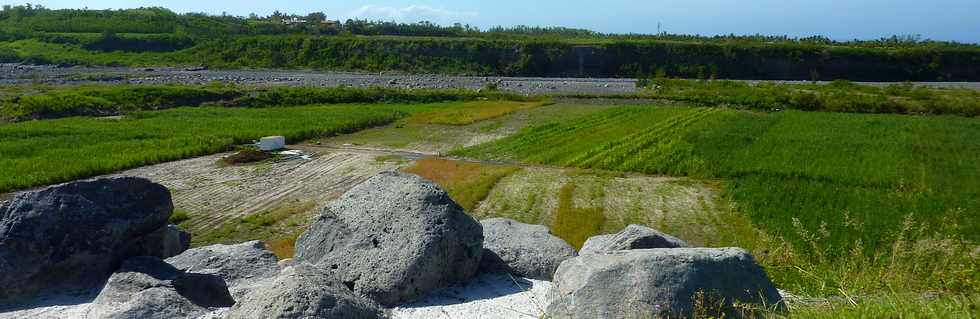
304 291
631 237
529 251
75 235
241 265
394 238
147 287
653 283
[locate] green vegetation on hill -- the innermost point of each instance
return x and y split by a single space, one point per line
156 36
838 187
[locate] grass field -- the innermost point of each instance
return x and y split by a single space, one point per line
416 134
37 153
829 184
472 112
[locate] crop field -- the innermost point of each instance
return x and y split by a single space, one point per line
416 134
37 153
829 184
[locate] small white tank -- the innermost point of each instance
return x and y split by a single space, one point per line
272 143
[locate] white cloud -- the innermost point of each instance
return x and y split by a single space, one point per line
412 13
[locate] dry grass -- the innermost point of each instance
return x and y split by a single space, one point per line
466 183
472 112
285 247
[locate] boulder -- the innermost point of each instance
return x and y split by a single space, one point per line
529 251
303 291
174 242
147 287
631 237
653 283
75 235
394 238
241 265
166 242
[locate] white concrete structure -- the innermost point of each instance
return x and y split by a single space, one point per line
272 143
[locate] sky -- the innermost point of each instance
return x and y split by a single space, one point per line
948 20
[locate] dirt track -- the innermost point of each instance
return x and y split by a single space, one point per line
26 74
214 193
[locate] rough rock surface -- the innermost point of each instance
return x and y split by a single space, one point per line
147 287
394 238
529 251
652 283
175 241
303 291
76 234
631 237
241 265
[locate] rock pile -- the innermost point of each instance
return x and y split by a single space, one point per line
392 239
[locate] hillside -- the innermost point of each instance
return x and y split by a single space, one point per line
159 37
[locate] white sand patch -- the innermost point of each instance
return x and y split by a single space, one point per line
487 296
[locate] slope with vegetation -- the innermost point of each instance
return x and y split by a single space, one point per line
156 36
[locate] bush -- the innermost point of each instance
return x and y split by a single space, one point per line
8 55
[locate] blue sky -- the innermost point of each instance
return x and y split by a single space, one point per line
955 20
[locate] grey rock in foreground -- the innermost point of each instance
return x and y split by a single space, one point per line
303 291
76 234
653 283
631 237
147 287
394 238
529 251
241 265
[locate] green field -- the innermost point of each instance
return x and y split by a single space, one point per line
832 185
37 153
